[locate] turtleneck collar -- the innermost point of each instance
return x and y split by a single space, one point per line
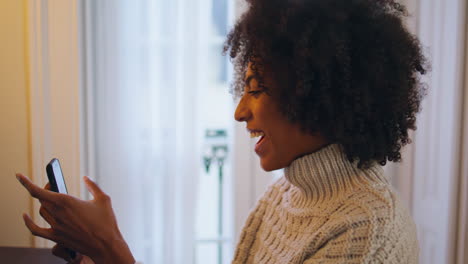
327 174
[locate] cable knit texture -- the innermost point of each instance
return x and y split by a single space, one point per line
326 210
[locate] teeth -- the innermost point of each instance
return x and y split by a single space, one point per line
256 134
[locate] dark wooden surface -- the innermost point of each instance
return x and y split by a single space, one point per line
14 255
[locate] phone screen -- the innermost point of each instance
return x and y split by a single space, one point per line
59 178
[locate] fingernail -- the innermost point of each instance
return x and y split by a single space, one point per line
19 178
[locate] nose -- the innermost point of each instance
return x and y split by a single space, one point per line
242 113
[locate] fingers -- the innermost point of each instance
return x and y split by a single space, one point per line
92 187
47 216
67 254
47 187
46 233
78 260
35 190
61 252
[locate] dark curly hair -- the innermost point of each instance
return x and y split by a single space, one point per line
347 69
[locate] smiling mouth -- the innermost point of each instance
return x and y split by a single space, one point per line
259 148
257 133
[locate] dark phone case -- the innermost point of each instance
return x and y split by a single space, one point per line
51 175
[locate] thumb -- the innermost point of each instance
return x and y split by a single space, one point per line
92 187
77 260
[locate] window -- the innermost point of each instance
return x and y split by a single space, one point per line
160 105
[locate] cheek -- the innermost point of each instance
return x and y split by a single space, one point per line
265 111
281 130
281 145
285 140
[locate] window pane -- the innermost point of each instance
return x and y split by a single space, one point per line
218 75
207 205
162 81
219 13
207 253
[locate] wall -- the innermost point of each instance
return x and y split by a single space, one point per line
14 138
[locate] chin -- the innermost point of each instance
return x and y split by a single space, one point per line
268 165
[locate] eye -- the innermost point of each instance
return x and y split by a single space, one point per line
255 93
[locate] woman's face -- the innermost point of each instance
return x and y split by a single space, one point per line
280 141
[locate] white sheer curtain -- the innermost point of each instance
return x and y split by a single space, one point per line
143 147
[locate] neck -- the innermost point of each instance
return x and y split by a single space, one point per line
327 174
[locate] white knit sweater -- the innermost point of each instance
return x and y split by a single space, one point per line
326 210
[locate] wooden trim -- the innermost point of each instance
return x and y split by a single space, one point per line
462 227
461 250
54 94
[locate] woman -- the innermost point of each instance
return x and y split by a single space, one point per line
332 88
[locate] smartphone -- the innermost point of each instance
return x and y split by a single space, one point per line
55 175
57 184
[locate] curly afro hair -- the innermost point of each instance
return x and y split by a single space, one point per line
347 69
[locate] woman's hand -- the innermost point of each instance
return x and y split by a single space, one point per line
88 227
63 252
